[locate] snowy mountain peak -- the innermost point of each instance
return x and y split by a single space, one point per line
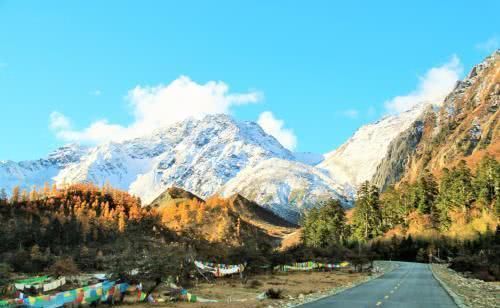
197 154
67 154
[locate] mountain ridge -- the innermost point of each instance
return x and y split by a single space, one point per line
466 127
200 156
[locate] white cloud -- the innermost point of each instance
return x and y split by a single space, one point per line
58 121
351 113
96 92
275 128
490 45
155 107
432 87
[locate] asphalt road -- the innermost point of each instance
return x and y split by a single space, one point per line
409 285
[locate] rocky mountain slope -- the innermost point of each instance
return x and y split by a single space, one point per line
432 135
466 127
393 165
357 159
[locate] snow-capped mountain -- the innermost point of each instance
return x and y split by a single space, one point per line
357 159
197 155
286 187
28 173
200 156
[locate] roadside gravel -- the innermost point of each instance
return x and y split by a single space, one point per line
471 292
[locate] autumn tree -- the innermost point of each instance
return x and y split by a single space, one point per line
134 212
121 222
33 194
24 195
16 195
46 190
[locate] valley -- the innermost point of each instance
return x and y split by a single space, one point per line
164 217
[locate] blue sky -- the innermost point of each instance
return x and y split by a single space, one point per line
323 68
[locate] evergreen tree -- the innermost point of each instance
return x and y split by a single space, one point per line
456 189
3 196
487 181
325 225
367 219
426 193
393 208
444 199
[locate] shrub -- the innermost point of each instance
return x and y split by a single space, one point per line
5 271
254 284
274 293
64 267
466 263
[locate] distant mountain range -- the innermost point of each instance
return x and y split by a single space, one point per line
200 156
218 155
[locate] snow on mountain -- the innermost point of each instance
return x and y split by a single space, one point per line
200 156
218 154
357 159
28 173
285 187
197 155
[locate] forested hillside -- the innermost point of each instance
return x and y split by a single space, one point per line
453 218
82 221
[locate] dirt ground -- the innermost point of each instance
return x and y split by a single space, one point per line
296 286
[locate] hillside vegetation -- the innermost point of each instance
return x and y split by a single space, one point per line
233 220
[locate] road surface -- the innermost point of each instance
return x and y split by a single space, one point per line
409 285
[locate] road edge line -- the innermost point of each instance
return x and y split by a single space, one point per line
456 298
371 278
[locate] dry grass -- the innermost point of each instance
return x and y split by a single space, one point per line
233 293
291 240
